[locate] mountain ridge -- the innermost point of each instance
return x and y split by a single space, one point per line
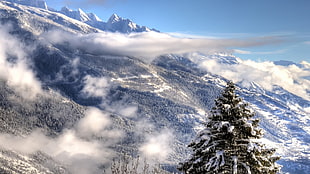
113 24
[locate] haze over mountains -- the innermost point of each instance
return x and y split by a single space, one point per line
76 91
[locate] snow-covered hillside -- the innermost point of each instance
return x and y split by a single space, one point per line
63 78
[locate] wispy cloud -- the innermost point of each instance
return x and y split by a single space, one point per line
189 35
266 74
148 45
239 51
96 86
158 146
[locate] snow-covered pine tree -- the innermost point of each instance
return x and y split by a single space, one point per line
228 143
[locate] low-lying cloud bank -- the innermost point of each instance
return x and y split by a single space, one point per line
148 45
292 78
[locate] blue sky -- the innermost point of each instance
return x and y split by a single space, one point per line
286 19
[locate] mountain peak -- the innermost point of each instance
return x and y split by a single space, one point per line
284 63
114 18
78 15
65 9
94 17
81 11
119 24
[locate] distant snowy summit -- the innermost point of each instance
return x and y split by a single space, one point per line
80 15
114 23
118 24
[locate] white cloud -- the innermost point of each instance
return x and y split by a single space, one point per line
187 35
94 123
158 146
121 107
17 73
96 86
238 51
99 87
148 45
75 63
128 111
29 144
305 64
265 74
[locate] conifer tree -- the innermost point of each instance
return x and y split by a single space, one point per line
228 143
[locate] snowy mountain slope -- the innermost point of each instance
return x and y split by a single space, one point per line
167 97
286 124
